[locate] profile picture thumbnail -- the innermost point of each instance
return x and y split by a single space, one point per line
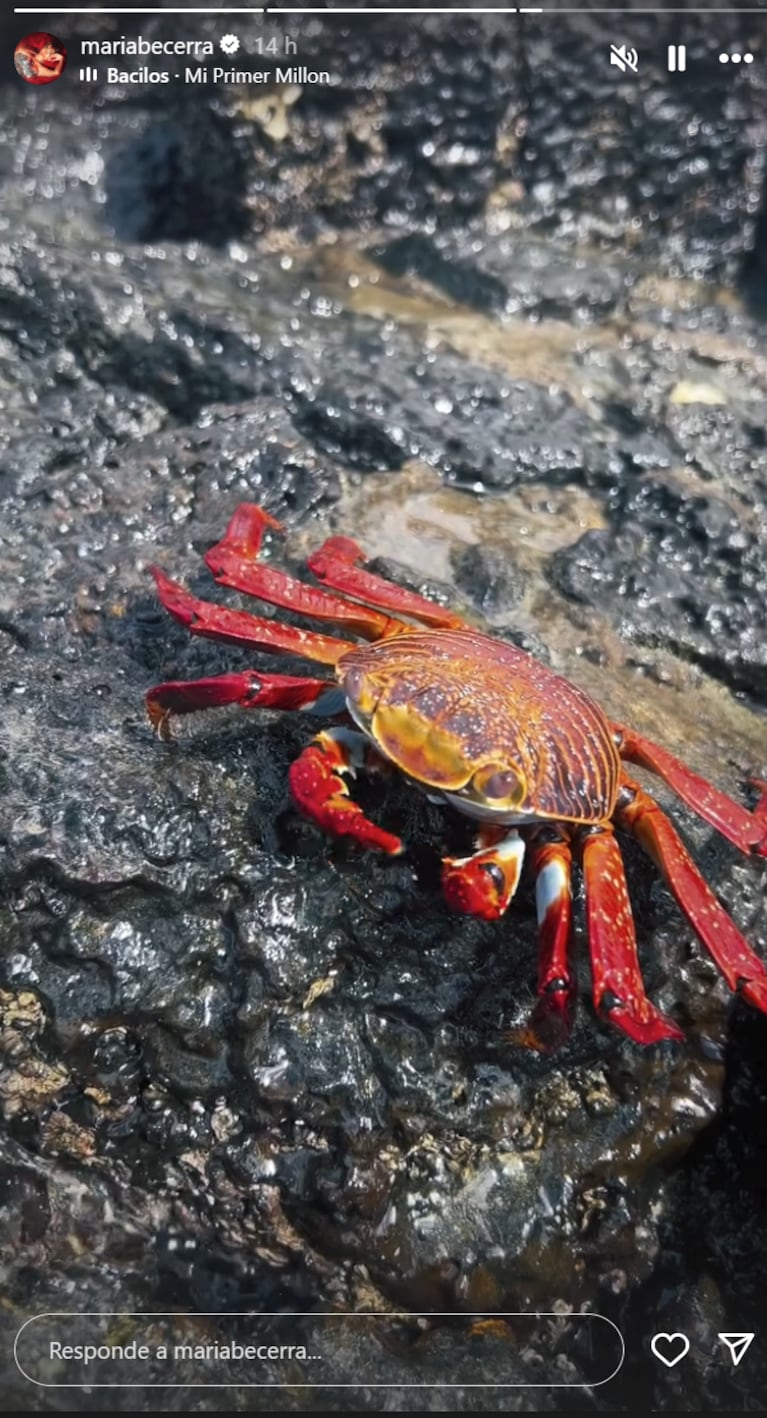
40 58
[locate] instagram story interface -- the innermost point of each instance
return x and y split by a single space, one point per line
383 761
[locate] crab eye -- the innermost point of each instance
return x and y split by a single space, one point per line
495 874
499 785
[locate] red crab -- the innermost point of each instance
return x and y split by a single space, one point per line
487 729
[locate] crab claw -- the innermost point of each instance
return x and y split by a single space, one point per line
319 788
483 885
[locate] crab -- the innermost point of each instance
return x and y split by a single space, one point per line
485 728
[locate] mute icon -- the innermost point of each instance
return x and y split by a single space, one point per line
738 1345
623 57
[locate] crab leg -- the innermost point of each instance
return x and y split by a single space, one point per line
484 883
319 788
551 861
746 830
241 628
248 689
619 992
336 565
233 563
742 969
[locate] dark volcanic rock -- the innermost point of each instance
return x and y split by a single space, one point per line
491 578
681 571
179 181
420 256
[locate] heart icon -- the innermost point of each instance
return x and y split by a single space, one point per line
670 1348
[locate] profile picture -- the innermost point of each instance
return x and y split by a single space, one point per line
40 58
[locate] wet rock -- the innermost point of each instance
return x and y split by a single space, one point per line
179 181
722 441
535 436
491 578
510 274
365 443
691 1296
577 177
461 281
481 428
681 571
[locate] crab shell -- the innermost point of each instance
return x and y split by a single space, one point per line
481 724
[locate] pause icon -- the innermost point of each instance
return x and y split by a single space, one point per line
677 58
